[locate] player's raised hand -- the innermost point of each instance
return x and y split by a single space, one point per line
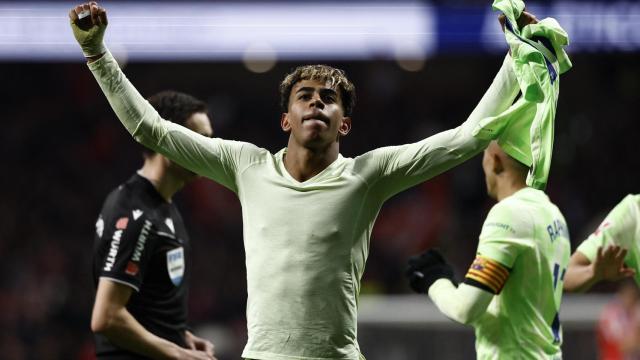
89 22
525 19
609 264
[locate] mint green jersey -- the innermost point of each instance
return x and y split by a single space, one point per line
306 243
621 227
527 234
527 127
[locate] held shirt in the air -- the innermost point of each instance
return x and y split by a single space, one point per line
620 227
306 243
141 242
539 58
527 234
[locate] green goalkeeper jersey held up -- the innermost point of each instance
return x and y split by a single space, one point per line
527 127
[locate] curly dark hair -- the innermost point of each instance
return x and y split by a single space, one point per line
176 107
336 77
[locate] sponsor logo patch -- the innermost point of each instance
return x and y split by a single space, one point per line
100 226
122 223
169 224
136 214
605 224
142 239
132 268
175 265
113 250
502 226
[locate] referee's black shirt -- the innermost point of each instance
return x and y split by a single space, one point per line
141 242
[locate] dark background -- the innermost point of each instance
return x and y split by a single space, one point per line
63 150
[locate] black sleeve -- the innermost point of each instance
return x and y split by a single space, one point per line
130 245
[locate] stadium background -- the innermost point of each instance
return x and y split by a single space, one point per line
64 150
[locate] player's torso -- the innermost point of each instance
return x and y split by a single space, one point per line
306 244
523 319
303 226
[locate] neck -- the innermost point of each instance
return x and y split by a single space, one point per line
509 186
155 169
303 163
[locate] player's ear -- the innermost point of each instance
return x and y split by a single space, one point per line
284 122
345 126
498 164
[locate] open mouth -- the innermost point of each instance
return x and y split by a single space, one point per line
316 116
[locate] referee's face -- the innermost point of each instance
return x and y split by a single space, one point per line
315 117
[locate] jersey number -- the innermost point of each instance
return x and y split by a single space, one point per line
555 325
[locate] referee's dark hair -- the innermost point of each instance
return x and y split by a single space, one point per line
176 107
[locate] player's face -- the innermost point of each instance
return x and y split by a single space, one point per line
315 118
489 174
200 123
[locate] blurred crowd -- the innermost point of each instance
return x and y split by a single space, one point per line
618 330
64 150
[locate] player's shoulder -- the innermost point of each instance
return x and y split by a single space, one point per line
527 200
243 147
624 216
631 201
378 154
515 214
118 198
631 207
373 162
511 207
245 154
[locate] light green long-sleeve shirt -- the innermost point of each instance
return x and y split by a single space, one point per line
528 234
524 246
306 243
621 227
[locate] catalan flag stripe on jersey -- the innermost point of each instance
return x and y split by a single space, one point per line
489 273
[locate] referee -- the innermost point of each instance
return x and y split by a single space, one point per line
141 255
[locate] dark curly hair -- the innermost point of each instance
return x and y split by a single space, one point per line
336 77
176 107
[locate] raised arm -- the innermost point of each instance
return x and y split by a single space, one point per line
214 158
404 166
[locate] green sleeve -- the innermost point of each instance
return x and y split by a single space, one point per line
618 228
589 247
397 168
217 159
505 233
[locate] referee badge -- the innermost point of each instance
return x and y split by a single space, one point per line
175 265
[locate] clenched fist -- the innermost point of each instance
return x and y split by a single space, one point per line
89 22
